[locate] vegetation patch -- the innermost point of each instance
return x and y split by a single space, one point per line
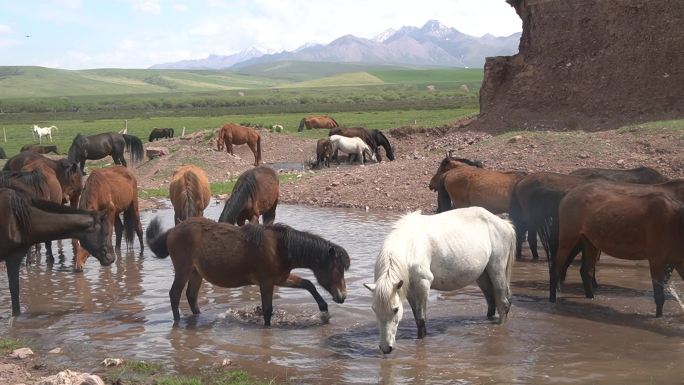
7 345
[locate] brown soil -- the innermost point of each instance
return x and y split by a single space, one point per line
402 184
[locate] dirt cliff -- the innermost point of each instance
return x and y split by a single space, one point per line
588 64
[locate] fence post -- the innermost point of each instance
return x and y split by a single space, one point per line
4 135
183 133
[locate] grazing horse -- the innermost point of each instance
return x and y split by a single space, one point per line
446 251
189 191
381 141
463 183
231 256
67 173
26 221
40 149
100 145
42 131
323 153
634 222
316 121
231 134
114 190
355 132
159 133
3 155
255 194
352 146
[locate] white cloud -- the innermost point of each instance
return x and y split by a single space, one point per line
68 3
127 44
180 7
5 29
152 7
7 43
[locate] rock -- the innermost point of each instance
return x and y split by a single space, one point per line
69 377
226 362
514 139
155 152
335 183
112 362
583 155
55 351
21 353
620 162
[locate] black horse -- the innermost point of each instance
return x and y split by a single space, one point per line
2 153
98 146
381 140
159 133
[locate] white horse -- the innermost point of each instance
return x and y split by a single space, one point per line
43 131
444 251
351 146
276 128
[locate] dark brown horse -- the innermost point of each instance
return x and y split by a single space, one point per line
66 171
234 134
160 133
40 149
356 132
98 146
640 175
255 194
231 256
323 153
633 222
463 183
113 190
316 121
382 141
25 221
189 192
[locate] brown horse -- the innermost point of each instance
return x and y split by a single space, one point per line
463 183
255 194
231 256
67 172
25 221
316 121
640 175
231 134
40 149
114 190
323 153
189 191
626 221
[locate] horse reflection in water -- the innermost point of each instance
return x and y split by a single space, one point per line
230 256
447 251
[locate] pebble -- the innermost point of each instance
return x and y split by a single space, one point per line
55 351
112 362
21 353
68 377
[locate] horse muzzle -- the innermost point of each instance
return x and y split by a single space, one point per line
340 296
386 350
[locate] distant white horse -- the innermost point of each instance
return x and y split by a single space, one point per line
276 128
444 251
351 146
42 131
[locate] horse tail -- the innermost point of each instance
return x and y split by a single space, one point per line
258 149
156 238
244 189
301 125
334 122
443 198
190 183
135 146
129 222
512 250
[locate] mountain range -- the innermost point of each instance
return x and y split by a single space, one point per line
433 44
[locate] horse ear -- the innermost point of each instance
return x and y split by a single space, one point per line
370 286
399 285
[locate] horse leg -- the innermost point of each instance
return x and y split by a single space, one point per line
266 289
417 296
487 288
229 144
532 242
181 278
252 146
118 230
295 281
138 224
659 275
587 270
502 289
193 290
49 258
13 262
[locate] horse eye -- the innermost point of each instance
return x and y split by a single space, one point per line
396 310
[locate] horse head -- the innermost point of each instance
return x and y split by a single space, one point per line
94 240
389 310
330 272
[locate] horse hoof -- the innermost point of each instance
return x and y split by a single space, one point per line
325 317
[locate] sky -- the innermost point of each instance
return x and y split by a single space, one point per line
78 34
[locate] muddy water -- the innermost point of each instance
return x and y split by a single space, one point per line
123 311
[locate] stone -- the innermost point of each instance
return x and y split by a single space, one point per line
21 353
514 139
583 155
55 351
112 362
68 377
155 152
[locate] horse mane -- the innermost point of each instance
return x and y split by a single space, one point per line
474 163
245 188
18 203
334 121
381 140
391 264
33 179
310 249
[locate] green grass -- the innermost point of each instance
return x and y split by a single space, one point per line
470 76
662 125
142 372
7 345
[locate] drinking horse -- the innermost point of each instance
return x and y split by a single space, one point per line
446 251
25 221
98 146
232 256
113 190
231 134
255 194
189 192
